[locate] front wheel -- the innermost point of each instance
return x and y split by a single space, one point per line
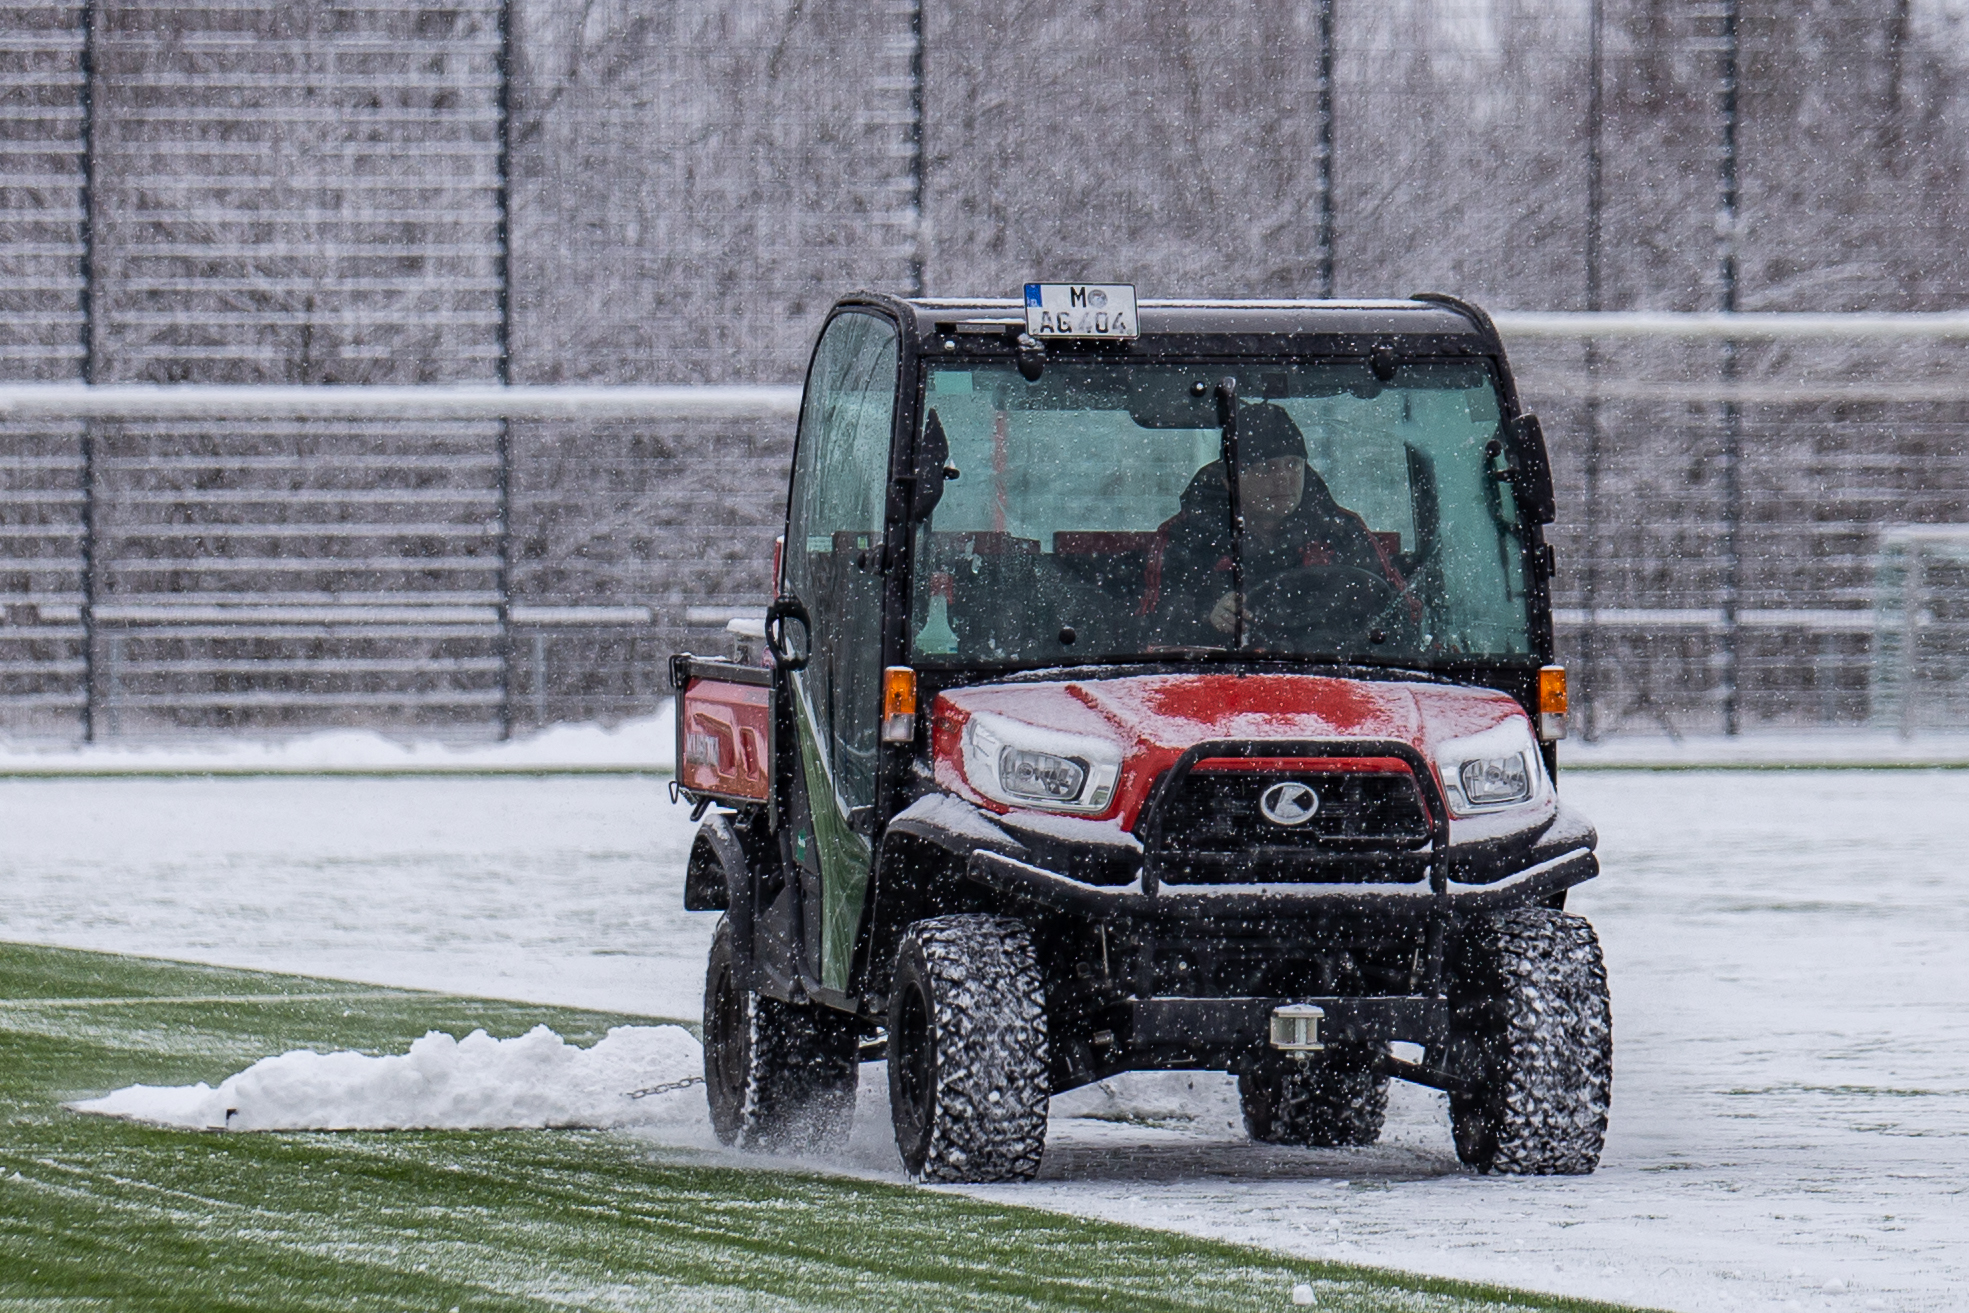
967 1050
779 1078
1532 1023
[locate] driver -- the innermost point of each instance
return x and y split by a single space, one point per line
1290 522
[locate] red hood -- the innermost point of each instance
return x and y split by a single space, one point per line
1154 719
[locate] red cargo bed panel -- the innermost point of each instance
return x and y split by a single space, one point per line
725 732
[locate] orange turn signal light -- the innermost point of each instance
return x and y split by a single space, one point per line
1551 702
898 704
1551 691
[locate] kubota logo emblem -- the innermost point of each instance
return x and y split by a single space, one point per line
1289 803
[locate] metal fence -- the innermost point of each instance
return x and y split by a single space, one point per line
280 559
1730 486
502 191
475 560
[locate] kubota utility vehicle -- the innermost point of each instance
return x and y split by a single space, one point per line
1145 688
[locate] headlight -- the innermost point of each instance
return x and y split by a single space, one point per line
1040 775
1028 766
1488 780
1497 768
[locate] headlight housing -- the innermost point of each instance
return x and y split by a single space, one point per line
1027 766
1497 768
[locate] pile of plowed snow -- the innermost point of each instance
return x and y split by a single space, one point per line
535 1080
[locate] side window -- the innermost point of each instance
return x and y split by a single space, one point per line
840 487
840 474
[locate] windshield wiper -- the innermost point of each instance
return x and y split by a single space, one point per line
1227 421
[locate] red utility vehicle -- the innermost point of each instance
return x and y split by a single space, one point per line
1150 687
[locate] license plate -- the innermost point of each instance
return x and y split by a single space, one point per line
1081 310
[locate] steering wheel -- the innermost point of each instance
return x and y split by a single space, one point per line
1326 608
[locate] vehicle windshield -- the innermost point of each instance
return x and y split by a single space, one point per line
1091 515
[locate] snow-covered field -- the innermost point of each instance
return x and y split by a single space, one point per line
645 743
1791 1120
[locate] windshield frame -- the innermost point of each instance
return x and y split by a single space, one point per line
1217 354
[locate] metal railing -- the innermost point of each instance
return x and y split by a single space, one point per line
186 558
1728 482
475 557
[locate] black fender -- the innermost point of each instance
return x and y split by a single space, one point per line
734 866
923 855
730 858
718 877
1495 860
920 870
953 825
1569 830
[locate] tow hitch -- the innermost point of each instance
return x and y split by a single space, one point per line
1296 1028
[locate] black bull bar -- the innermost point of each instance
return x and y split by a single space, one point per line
1155 906
1222 1033
1182 1031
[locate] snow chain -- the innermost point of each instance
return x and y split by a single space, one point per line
683 1084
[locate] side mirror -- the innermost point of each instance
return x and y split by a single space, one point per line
931 469
789 632
1531 472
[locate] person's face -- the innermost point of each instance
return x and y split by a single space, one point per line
1271 489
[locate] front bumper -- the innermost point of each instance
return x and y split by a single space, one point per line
1162 1021
1223 905
1448 880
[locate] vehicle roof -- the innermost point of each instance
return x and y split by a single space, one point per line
1199 316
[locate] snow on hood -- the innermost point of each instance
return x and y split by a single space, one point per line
477 1083
1154 719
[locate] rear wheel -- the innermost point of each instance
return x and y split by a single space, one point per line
1532 1023
779 1078
1339 1100
967 1050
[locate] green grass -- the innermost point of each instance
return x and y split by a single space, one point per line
97 1213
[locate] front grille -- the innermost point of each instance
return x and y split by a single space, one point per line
1367 827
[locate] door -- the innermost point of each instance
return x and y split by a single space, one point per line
832 565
